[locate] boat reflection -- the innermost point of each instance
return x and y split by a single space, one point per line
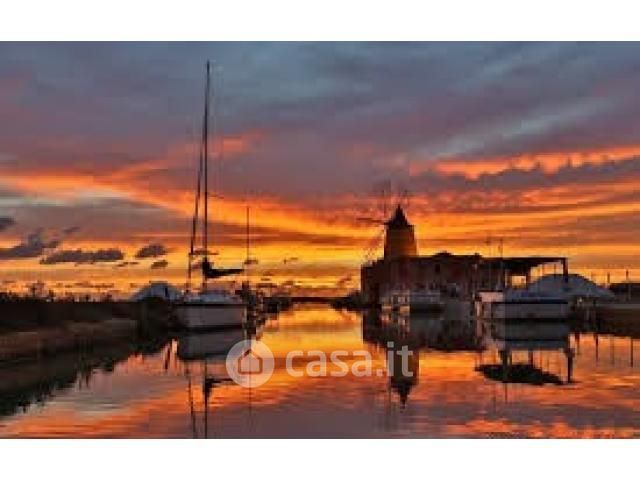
203 356
208 346
512 337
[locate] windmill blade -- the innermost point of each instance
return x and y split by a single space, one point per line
377 221
382 193
373 245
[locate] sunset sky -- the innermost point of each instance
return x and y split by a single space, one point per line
536 143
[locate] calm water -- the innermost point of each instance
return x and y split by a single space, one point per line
154 392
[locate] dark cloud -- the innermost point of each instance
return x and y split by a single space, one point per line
116 220
79 256
6 222
153 250
416 102
158 264
33 246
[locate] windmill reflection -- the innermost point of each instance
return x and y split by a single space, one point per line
391 333
402 336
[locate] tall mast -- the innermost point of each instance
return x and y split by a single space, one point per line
194 221
248 257
205 141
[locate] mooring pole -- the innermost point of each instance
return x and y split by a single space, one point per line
569 354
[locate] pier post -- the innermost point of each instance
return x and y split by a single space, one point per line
504 359
569 353
565 271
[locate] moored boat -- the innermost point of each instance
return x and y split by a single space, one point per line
520 305
210 309
207 308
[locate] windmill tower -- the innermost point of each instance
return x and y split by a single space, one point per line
397 234
399 240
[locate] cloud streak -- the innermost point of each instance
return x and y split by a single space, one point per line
153 250
33 246
79 256
159 264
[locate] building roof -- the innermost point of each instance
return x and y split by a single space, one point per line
399 220
521 265
515 265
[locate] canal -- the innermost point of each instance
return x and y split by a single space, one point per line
451 385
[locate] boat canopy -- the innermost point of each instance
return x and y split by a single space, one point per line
523 265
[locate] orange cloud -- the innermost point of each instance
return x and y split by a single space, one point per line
549 162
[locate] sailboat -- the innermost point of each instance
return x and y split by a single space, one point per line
208 308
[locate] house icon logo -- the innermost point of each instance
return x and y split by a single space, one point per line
250 363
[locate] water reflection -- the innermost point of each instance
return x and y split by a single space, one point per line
25 384
442 331
397 332
511 337
209 351
452 385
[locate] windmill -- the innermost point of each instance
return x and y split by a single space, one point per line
383 214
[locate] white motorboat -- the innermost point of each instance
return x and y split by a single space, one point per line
520 305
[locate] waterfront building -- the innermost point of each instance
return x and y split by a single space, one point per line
460 276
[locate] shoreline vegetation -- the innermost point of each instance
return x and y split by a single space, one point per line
32 328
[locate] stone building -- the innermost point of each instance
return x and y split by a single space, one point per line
402 267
